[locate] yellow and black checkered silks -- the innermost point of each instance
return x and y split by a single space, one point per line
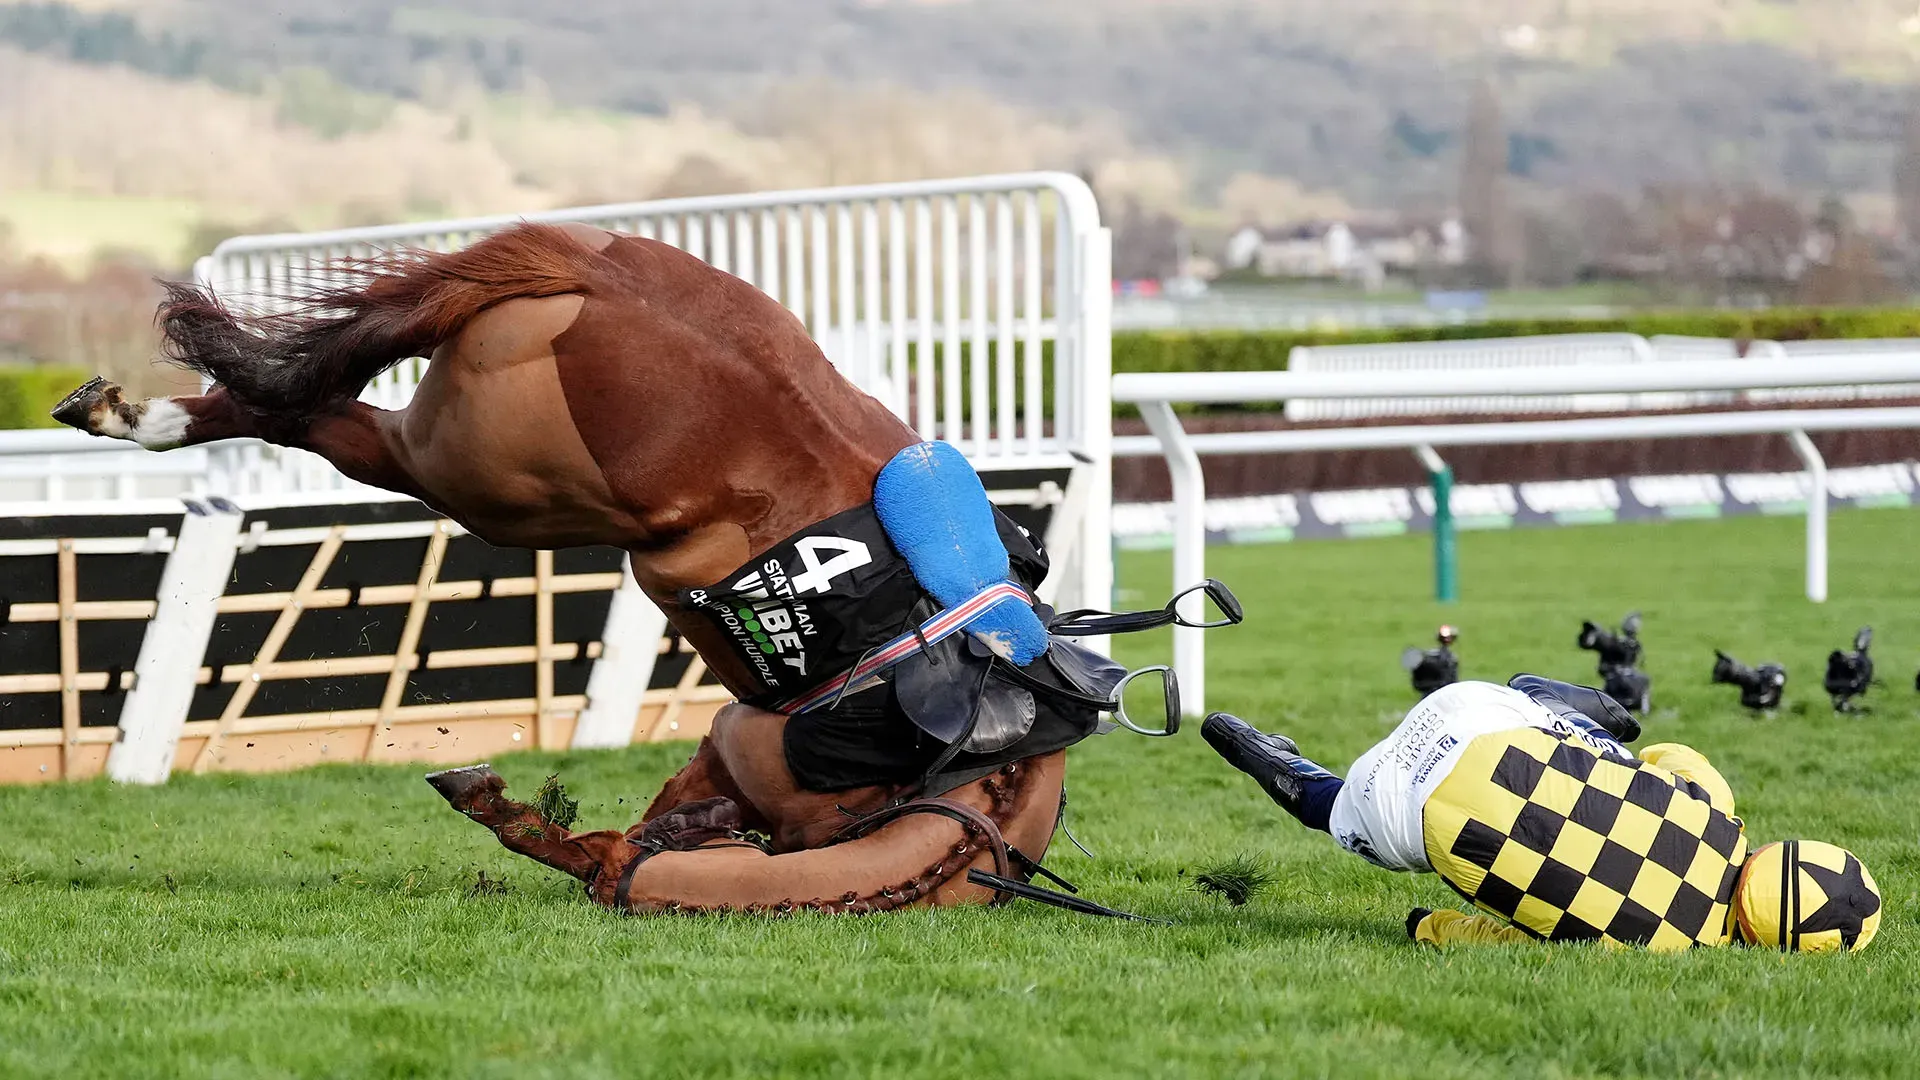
1806 896
1569 844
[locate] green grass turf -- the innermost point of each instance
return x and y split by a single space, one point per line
320 923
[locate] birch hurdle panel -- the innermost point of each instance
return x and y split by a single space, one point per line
148 638
78 584
336 631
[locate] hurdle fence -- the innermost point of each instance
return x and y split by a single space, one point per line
1156 394
977 309
145 637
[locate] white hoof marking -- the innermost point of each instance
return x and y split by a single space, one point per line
162 425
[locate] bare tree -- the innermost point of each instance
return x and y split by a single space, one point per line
1483 203
1906 178
1551 248
1766 242
1853 275
1146 244
1610 232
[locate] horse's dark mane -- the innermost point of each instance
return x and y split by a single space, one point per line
336 339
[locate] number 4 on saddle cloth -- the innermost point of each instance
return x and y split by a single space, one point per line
924 595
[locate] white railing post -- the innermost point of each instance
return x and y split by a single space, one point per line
617 686
1816 514
1189 549
175 642
1094 355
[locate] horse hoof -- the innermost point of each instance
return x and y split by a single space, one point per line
460 787
76 410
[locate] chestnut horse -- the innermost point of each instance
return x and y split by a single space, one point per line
588 387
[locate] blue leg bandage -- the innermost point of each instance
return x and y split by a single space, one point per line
936 513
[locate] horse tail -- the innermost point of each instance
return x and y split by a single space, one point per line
336 339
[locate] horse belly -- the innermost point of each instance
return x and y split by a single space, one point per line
491 439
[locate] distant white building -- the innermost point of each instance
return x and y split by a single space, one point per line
1362 251
1319 249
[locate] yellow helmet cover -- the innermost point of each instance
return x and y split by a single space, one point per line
1806 896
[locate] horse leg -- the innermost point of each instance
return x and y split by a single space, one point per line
750 742
363 442
480 793
355 438
678 864
704 777
686 854
102 408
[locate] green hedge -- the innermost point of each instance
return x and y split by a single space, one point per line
29 391
1266 350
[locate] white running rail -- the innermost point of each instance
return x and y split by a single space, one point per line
1156 394
1553 350
1570 350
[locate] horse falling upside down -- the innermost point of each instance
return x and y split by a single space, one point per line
592 388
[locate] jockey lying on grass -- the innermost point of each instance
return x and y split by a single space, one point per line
1525 800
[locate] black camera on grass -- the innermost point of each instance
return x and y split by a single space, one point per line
1619 660
1433 668
1760 687
1850 673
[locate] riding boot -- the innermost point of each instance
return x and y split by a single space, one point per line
480 793
1302 788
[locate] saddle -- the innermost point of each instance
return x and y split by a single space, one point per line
973 685
919 605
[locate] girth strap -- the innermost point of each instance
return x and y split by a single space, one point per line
1003 883
623 902
625 885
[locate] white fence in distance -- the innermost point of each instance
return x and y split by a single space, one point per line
1572 350
1155 395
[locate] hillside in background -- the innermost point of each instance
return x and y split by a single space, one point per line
1362 95
327 111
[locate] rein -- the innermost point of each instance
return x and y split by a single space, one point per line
966 815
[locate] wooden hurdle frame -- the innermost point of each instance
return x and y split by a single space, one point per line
159 734
393 731
70 749
171 717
